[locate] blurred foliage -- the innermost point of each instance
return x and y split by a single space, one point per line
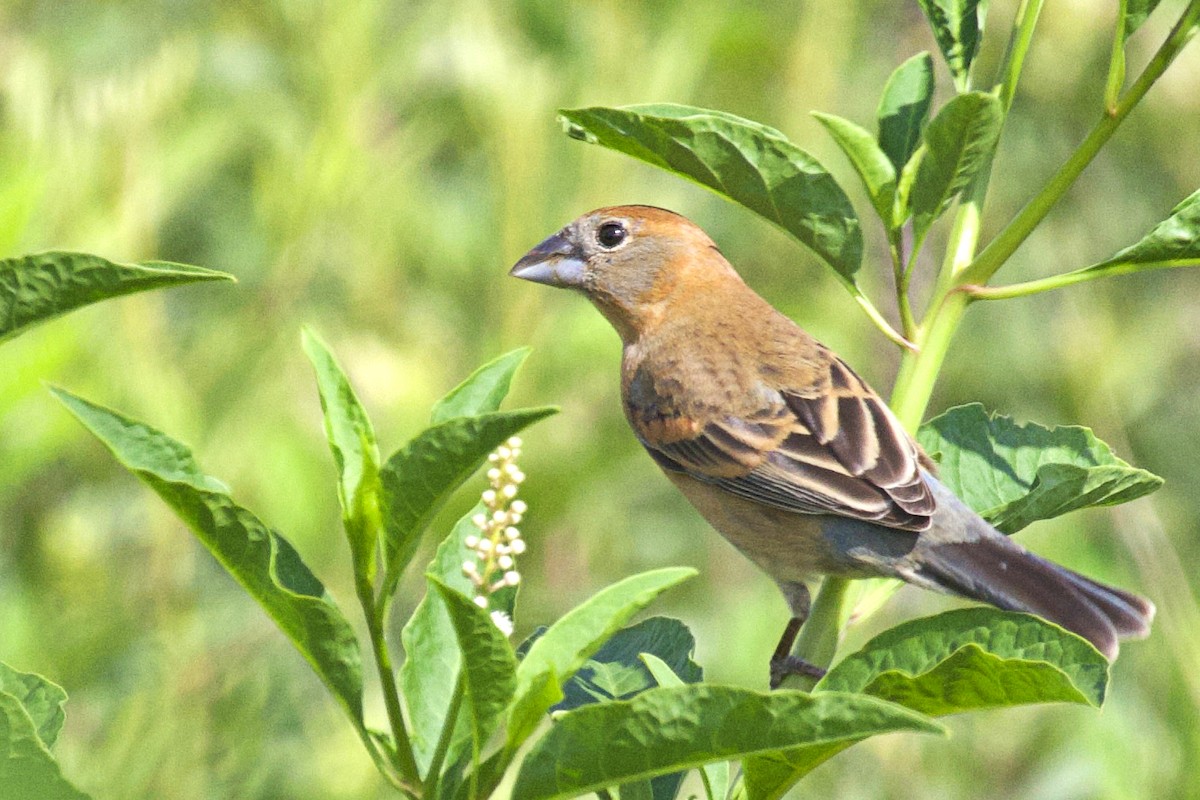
373 168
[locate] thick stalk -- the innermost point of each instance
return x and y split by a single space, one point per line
818 639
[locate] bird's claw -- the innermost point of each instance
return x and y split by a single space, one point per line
783 667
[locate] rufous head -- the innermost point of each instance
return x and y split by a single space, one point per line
626 259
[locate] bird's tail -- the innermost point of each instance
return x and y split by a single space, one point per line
1006 575
986 565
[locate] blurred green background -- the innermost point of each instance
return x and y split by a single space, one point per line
373 168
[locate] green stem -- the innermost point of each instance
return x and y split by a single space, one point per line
406 764
1000 249
1027 288
1116 61
443 745
908 323
818 639
880 322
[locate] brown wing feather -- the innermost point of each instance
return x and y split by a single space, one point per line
834 448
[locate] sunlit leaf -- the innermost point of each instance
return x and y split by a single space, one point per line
430 668
747 162
958 28
355 453
958 142
257 557
483 390
973 658
42 700
1174 242
1014 474
38 288
419 478
619 742
567 644
716 774
904 109
872 165
487 663
27 769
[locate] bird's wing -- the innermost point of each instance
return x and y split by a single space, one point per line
833 448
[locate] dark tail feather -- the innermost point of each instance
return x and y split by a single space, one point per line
1000 572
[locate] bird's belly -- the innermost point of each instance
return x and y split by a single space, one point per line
787 546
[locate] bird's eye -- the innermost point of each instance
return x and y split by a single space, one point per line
610 235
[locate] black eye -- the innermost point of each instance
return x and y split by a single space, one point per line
610 235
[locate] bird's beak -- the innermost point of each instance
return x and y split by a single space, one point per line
554 262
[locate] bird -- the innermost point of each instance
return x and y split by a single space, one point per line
782 447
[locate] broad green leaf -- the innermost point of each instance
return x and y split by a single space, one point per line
714 775
958 28
488 663
672 728
616 671
567 644
1136 12
904 109
873 167
42 700
352 440
41 287
1174 242
430 668
973 658
747 162
258 557
958 141
27 769
482 391
1013 474
419 478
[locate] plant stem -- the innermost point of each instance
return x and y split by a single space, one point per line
818 638
443 745
1116 62
406 764
1027 288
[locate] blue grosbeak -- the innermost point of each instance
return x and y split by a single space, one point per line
780 445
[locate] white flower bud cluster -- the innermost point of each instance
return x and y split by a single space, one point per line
499 541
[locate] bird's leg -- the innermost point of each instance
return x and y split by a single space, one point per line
783 663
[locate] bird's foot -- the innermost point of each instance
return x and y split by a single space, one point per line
784 666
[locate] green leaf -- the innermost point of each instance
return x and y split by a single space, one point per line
352 440
973 658
958 142
1014 474
1136 12
873 167
673 728
747 162
617 671
483 390
38 288
904 109
714 775
42 700
568 643
958 28
769 776
430 669
1174 242
258 557
488 664
419 478
27 769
